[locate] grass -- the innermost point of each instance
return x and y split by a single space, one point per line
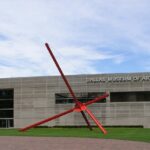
133 134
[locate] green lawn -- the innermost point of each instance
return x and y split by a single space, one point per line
134 134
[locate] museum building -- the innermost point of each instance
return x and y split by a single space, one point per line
26 100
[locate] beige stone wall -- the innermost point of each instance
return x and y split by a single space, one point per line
34 99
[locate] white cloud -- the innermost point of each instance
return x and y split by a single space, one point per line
84 53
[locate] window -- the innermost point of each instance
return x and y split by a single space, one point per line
129 96
6 113
6 108
6 104
66 98
6 94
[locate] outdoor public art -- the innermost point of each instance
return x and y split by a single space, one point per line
79 107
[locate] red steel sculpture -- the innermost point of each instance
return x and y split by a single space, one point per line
79 107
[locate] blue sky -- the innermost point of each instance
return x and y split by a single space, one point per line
87 37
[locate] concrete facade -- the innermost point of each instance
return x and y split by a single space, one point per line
34 99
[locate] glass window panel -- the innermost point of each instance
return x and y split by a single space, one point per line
6 104
6 113
129 96
66 98
6 94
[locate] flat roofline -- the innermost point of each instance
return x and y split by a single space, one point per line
124 73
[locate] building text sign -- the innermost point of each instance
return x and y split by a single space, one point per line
119 79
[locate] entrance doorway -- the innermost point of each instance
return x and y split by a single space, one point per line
6 123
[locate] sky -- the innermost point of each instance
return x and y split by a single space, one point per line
87 37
